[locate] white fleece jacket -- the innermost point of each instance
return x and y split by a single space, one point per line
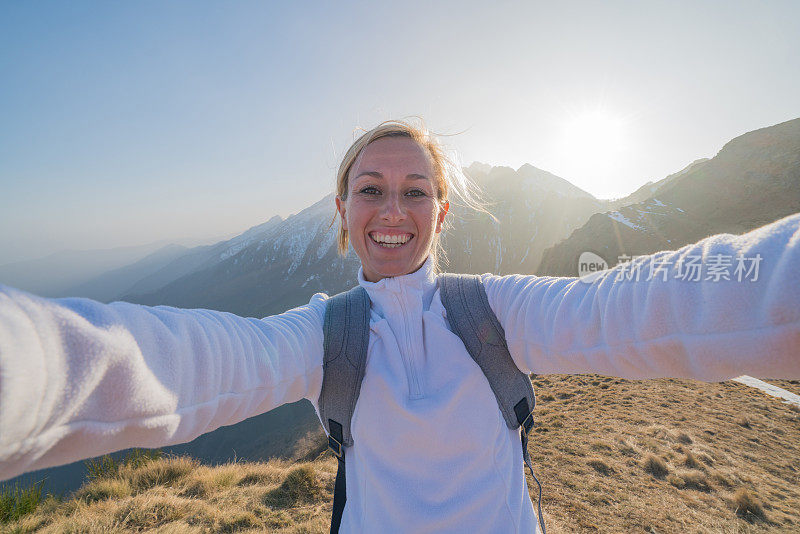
432 453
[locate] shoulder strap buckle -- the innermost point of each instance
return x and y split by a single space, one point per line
527 424
336 447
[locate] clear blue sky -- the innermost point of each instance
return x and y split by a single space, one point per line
123 123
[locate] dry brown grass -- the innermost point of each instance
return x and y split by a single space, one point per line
179 495
748 506
655 466
679 454
613 455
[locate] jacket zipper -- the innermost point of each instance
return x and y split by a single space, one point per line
411 371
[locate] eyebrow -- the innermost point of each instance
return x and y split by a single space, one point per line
376 174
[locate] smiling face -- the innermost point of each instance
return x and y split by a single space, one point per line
391 212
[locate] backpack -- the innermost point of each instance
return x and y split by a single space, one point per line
346 330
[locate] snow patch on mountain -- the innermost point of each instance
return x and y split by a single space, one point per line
619 217
328 241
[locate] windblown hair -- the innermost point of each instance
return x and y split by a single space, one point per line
448 177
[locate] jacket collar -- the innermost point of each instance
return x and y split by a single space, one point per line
421 284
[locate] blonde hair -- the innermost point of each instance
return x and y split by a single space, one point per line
447 174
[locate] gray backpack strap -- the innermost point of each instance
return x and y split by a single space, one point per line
346 330
471 319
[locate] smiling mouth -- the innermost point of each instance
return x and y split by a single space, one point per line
390 241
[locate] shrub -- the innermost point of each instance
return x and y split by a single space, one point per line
743 422
103 467
655 466
141 457
600 446
706 459
251 479
600 466
104 488
747 506
165 472
107 467
649 444
300 485
19 501
722 480
689 480
197 489
625 448
238 521
206 481
691 461
147 514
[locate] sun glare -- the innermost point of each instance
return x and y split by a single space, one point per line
593 144
595 132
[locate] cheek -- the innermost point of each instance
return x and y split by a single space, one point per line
357 216
426 217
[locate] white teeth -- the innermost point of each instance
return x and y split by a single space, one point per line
390 241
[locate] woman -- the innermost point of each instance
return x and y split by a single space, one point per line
432 452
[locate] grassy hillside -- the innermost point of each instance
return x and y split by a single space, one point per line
614 456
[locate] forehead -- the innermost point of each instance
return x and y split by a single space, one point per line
394 154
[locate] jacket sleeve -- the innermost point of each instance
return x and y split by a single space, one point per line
79 378
709 323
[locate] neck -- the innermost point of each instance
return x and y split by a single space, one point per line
376 277
418 276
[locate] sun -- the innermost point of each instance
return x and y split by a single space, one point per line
593 145
595 132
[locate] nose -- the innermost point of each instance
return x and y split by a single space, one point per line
393 210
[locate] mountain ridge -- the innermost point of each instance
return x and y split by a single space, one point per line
753 180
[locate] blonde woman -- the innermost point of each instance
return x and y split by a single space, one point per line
431 450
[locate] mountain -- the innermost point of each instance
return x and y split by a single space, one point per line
650 189
534 209
752 181
108 285
154 273
264 273
86 273
51 275
288 262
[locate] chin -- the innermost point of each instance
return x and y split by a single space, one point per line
390 270
407 268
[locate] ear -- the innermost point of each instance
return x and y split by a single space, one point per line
341 208
440 218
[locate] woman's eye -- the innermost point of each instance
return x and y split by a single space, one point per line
416 193
370 190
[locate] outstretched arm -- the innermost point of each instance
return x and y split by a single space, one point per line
672 325
79 378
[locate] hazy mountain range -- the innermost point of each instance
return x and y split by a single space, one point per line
543 224
86 273
752 181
